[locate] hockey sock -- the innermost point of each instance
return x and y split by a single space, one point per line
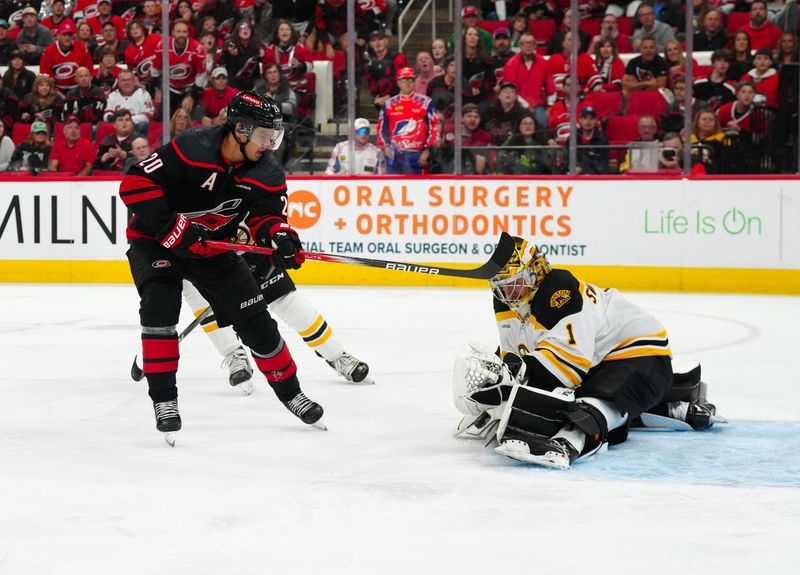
298 313
160 357
270 354
223 338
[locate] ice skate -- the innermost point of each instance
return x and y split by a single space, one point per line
703 415
309 412
556 452
168 419
352 369
240 371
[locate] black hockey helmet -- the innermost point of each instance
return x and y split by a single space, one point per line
255 110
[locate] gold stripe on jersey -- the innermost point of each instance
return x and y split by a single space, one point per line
504 315
581 361
658 335
568 371
314 327
322 339
210 323
641 346
643 351
535 323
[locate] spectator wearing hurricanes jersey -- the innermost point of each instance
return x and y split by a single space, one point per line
382 68
141 52
765 78
57 17
558 66
135 99
43 104
84 9
187 74
85 101
477 70
106 73
114 149
215 98
62 59
762 32
407 128
330 26
651 28
647 71
609 65
368 159
241 56
73 153
533 80
293 57
104 15
33 38
715 89
735 116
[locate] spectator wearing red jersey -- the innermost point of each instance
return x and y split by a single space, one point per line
62 58
111 39
84 9
609 30
187 73
114 149
57 16
104 15
382 68
533 80
765 78
735 116
558 66
141 52
762 32
558 122
215 98
32 38
293 57
609 65
107 71
85 101
72 153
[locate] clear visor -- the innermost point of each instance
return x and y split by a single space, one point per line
514 290
268 138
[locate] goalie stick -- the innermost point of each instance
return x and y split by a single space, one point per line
137 374
500 257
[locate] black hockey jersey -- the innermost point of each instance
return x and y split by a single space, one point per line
190 176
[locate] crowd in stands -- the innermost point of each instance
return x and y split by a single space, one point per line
95 104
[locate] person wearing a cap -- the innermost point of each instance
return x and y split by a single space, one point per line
593 153
7 45
32 154
408 127
505 113
132 97
501 51
33 38
57 16
104 15
382 68
85 101
73 153
215 98
18 78
369 160
62 58
469 16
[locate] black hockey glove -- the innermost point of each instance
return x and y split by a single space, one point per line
184 238
288 249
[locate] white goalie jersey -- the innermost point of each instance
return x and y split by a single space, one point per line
572 326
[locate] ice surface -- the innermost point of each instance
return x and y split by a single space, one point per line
87 485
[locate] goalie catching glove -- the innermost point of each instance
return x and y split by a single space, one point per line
184 238
481 381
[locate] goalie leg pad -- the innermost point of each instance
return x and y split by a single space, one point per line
535 411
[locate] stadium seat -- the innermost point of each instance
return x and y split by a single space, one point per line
606 103
622 130
625 25
492 25
702 71
86 131
103 129
648 102
591 26
20 133
154 131
542 30
736 20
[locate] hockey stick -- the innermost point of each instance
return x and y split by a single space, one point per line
137 374
500 257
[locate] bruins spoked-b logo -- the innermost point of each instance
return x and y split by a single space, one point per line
560 298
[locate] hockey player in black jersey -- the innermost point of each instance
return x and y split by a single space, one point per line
580 365
201 186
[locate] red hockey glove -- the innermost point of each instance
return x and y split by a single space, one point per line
185 239
287 247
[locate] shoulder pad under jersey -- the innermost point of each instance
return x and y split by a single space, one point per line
557 297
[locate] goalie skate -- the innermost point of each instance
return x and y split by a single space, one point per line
168 420
556 453
240 371
351 368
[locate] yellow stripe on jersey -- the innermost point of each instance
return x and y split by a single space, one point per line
568 372
210 323
643 351
314 327
535 323
210 327
660 335
200 312
504 315
322 339
581 361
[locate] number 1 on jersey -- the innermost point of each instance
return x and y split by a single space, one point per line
571 339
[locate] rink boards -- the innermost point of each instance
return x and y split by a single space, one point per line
732 235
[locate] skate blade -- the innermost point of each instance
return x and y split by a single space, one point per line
539 460
245 388
719 419
366 381
319 424
169 437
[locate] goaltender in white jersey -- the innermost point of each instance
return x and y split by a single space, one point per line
369 159
581 364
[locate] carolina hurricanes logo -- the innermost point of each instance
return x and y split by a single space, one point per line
162 264
143 68
366 4
65 71
405 127
179 72
217 217
90 11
